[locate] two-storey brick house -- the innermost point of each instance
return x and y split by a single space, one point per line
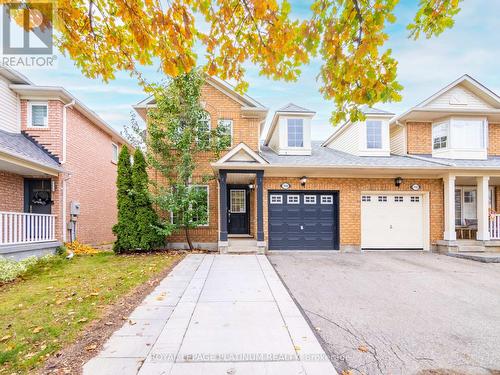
57 169
425 179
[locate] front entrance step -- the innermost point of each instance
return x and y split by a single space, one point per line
478 257
470 248
242 246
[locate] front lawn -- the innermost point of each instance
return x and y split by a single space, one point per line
52 304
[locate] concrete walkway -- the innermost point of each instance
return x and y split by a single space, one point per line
215 314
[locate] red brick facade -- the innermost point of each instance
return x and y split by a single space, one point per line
11 192
90 173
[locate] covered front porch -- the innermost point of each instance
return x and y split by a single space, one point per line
241 224
470 212
29 201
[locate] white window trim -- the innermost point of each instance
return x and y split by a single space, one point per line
113 145
293 195
363 143
462 189
30 109
279 201
309 196
303 133
381 123
324 201
450 143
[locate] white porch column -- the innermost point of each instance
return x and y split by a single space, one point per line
483 232
449 208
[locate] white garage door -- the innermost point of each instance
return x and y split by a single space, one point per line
392 221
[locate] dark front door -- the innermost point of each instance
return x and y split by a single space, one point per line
37 196
303 220
238 210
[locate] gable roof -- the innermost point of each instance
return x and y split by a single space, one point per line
242 154
366 110
465 81
291 107
249 106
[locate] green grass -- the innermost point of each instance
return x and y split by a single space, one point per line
54 301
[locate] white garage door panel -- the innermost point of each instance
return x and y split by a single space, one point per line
393 222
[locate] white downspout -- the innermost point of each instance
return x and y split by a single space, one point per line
63 161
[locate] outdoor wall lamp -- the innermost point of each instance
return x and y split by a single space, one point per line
398 181
303 180
251 186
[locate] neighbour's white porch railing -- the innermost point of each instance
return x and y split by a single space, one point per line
21 228
495 227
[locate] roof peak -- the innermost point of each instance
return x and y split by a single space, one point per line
292 107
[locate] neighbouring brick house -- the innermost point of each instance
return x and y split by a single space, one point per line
57 169
426 179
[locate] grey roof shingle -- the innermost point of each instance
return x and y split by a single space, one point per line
16 144
491 162
290 107
374 111
324 156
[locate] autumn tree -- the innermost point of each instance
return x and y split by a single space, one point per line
349 36
179 137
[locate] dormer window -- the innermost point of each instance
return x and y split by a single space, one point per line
374 134
295 130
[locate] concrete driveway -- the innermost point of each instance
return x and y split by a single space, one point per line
399 312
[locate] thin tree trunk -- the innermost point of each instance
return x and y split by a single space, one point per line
188 238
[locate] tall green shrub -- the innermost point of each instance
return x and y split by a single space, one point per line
124 229
146 219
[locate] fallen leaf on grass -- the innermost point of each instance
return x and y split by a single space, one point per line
37 329
59 302
82 320
5 338
91 347
109 323
94 294
362 348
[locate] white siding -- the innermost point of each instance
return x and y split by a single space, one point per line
9 108
349 140
274 142
459 97
398 140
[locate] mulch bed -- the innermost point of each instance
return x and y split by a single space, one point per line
70 360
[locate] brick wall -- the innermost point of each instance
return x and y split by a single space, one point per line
93 179
11 192
493 139
419 137
350 201
50 137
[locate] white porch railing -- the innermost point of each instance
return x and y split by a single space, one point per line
495 227
21 228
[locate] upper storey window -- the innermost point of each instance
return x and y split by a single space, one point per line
374 134
295 130
38 115
460 138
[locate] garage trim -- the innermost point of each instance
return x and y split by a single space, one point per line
335 201
425 214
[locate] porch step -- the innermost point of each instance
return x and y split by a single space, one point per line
470 249
242 246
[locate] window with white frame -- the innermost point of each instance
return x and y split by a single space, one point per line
382 198
440 136
398 199
327 199
295 130
38 115
227 129
293 199
309 199
276 199
468 134
204 130
114 154
415 199
374 134
366 198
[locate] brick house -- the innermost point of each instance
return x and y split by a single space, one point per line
426 179
57 169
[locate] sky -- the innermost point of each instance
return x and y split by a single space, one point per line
425 66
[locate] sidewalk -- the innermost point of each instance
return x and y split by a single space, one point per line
215 314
